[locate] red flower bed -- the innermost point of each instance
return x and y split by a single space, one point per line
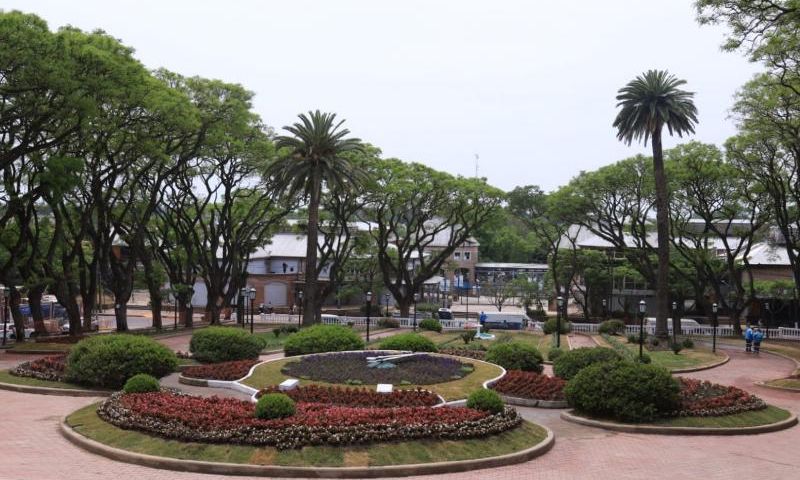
358 397
226 420
221 371
706 399
47 368
517 383
465 352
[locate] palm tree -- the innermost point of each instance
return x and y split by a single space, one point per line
314 156
649 102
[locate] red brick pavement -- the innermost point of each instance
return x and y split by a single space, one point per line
32 448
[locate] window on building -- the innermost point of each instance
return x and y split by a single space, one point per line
466 255
457 255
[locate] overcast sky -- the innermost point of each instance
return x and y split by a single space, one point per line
529 86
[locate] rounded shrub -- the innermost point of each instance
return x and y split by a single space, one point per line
224 344
322 338
516 356
554 353
633 338
274 405
570 363
110 360
688 343
431 324
611 327
625 391
644 359
486 400
141 383
551 324
408 341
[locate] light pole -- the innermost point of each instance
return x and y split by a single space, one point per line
466 316
605 309
369 307
559 306
416 297
714 308
386 297
299 310
6 292
674 330
252 294
243 306
642 310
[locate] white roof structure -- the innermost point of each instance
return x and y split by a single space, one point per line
768 254
288 245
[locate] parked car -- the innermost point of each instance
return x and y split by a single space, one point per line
445 314
11 332
506 320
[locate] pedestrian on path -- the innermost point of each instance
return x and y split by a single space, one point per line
757 337
748 339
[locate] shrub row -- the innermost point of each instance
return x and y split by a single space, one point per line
322 338
224 344
430 324
552 323
611 327
408 341
516 356
226 420
227 371
358 397
517 383
570 363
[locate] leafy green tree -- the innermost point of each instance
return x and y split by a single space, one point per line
649 103
313 159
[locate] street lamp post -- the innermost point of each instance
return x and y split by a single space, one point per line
714 308
299 310
642 310
252 294
369 307
674 330
416 297
605 309
559 306
386 297
243 307
466 316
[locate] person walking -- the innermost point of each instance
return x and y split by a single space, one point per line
748 339
758 335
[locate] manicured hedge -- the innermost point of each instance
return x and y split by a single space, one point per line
554 353
431 324
274 405
625 391
408 341
224 344
110 360
551 324
141 383
322 338
570 363
612 327
485 400
516 356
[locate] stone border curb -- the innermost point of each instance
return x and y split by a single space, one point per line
64 392
198 466
530 402
776 387
569 416
704 367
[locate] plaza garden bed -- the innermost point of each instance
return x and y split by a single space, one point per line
226 371
534 389
685 360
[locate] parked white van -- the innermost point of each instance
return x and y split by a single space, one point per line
328 318
506 320
685 322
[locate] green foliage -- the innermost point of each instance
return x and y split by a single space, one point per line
408 341
322 338
485 400
274 405
570 363
688 343
467 337
612 327
141 383
224 344
676 347
389 323
554 353
515 356
551 324
110 360
623 391
430 324
633 338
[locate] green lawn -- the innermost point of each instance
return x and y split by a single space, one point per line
686 358
748 419
6 377
272 342
270 374
785 383
452 339
86 422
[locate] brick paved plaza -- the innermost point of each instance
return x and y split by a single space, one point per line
33 449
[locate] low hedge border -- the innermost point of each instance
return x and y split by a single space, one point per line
571 416
196 466
64 392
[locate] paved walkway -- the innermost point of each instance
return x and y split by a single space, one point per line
33 449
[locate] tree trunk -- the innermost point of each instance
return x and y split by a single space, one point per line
16 314
121 314
662 227
310 293
35 302
88 295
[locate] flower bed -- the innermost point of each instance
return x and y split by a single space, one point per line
535 386
351 368
465 352
706 399
47 368
358 397
225 420
228 371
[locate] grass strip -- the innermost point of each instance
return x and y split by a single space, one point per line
6 377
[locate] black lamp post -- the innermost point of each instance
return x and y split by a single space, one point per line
6 292
642 310
605 309
674 313
175 313
386 297
299 310
252 294
369 307
714 322
416 297
243 306
559 306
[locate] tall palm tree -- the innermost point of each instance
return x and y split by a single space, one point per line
314 158
649 102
